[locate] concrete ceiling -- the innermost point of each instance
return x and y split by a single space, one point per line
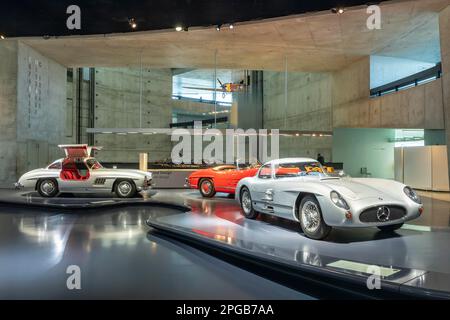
312 42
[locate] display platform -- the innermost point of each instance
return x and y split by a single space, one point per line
82 201
414 262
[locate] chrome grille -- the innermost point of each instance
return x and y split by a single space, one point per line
370 214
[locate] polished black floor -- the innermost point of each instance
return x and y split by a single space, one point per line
121 257
415 258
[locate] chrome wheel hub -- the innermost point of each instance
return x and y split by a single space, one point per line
310 216
246 202
47 187
124 188
206 187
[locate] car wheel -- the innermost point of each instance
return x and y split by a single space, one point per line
125 189
48 188
391 227
246 204
311 219
206 187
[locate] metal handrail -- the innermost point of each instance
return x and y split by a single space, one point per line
435 71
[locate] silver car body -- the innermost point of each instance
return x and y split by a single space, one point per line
100 179
280 196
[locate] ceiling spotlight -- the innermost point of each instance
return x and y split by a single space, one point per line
133 23
338 10
179 28
218 27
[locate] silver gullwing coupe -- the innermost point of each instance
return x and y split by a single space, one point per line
78 172
299 189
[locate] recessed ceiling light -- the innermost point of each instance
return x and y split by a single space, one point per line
133 23
340 10
179 28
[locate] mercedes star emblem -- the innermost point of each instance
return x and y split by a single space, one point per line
383 214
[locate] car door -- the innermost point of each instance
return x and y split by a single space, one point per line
75 176
262 188
223 179
285 179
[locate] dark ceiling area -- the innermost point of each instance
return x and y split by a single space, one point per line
48 17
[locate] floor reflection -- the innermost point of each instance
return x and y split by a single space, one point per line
117 258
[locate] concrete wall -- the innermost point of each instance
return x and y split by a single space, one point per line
192 110
41 108
444 29
32 109
417 107
8 111
117 105
365 148
307 106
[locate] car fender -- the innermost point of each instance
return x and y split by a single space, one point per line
245 182
30 179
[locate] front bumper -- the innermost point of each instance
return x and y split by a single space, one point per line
18 186
336 217
148 184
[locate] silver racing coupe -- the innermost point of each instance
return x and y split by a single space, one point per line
299 189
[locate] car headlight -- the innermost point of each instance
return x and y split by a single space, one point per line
412 195
337 199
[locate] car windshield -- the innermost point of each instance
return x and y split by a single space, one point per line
93 164
298 169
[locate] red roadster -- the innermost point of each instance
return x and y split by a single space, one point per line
222 178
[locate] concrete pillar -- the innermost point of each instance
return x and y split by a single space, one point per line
250 103
8 112
444 32
143 161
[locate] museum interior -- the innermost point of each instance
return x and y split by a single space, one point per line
371 103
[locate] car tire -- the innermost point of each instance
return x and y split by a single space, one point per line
125 189
311 219
391 227
47 188
206 187
247 205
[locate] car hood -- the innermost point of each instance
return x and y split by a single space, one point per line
355 190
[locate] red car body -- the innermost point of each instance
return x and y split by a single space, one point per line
222 178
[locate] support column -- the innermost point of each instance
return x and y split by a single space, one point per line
444 32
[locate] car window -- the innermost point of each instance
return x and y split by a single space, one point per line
296 169
55 165
224 168
93 164
265 172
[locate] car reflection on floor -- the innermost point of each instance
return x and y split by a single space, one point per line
117 257
221 219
